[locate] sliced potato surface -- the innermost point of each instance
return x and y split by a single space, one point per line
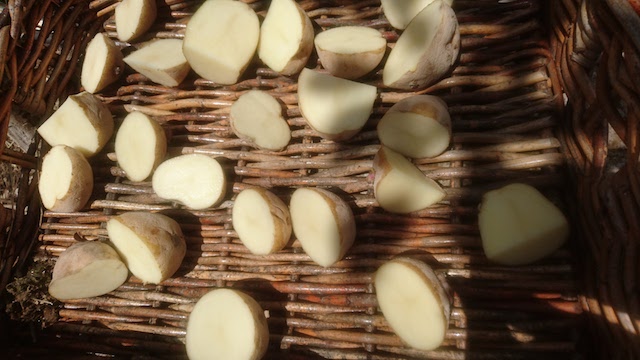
257 117
66 180
140 146
350 52
162 61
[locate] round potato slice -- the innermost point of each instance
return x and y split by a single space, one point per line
66 180
140 146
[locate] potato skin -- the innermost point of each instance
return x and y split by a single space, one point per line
436 61
350 66
81 186
161 234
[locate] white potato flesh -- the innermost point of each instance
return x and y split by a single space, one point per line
418 127
336 108
401 12
286 37
425 51
102 64
66 180
140 146
323 223
221 39
195 180
87 269
400 187
82 122
227 324
134 17
151 245
261 220
414 302
519 225
257 117
161 61
350 52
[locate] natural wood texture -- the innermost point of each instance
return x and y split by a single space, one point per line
510 123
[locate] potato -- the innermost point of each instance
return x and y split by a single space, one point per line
66 180
425 51
82 122
102 64
323 223
257 116
418 127
87 269
221 39
413 301
519 225
162 61
350 52
399 186
195 180
134 17
261 220
151 245
286 37
336 108
227 324
400 13
140 146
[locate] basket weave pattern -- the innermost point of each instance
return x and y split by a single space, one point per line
510 124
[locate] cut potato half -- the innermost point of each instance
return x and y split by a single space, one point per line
425 51
66 180
414 302
399 186
195 180
151 245
286 37
140 146
227 324
401 12
323 223
418 127
350 52
82 122
161 61
257 116
87 269
102 64
134 17
519 225
336 108
221 39
261 220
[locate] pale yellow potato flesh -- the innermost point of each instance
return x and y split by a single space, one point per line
151 245
261 220
286 37
82 122
140 146
519 225
323 223
425 51
66 180
418 127
414 302
401 12
195 180
102 64
257 117
350 52
134 17
336 108
221 39
87 269
161 61
227 324
400 187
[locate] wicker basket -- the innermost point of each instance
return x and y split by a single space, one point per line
545 92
